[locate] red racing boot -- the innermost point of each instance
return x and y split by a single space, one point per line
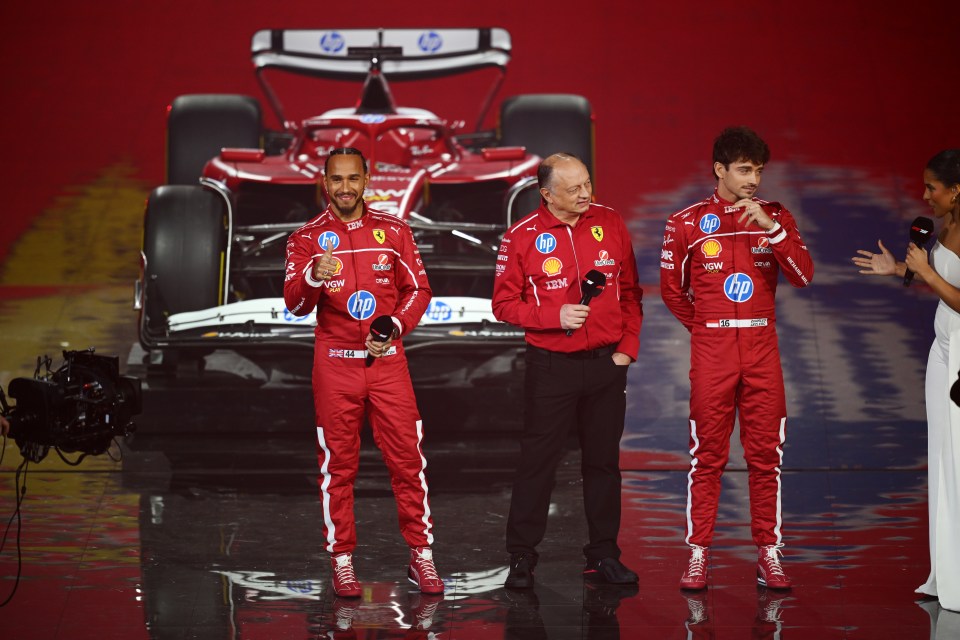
769 570
422 572
695 577
345 583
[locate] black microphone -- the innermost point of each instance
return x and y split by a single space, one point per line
955 391
592 286
380 329
920 233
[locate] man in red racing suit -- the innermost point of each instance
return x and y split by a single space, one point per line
719 266
353 264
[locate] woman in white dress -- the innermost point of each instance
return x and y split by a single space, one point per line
941 181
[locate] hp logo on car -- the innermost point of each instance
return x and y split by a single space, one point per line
289 317
439 311
332 42
738 287
361 305
709 223
430 42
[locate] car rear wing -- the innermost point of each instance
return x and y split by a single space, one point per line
400 54
377 54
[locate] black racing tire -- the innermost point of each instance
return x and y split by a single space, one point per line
184 247
199 126
548 123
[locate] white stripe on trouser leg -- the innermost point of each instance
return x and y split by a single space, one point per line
693 467
324 486
783 433
423 485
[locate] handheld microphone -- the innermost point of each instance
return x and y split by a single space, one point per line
380 329
955 391
592 286
920 233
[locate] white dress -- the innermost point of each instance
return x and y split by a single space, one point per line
943 442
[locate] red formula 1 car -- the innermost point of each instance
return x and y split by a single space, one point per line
214 237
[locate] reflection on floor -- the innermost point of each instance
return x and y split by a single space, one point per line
209 526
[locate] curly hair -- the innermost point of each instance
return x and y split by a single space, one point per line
739 143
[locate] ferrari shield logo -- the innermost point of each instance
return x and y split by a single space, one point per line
379 235
597 233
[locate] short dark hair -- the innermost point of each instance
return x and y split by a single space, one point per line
545 170
345 151
739 143
945 167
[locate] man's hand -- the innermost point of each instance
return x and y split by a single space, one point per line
621 359
753 212
324 268
376 348
4 426
572 316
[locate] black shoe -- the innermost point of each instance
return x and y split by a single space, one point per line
521 571
609 570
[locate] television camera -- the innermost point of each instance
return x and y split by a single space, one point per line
80 407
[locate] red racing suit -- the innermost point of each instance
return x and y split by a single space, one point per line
379 272
719 278
541 265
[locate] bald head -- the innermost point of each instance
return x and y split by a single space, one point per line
565 186
548 164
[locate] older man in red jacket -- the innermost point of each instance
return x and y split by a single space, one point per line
576 360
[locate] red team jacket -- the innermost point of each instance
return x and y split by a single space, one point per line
541 265
379 272
714 271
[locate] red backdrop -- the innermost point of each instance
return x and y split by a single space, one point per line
843 82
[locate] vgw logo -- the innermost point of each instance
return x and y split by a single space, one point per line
439 311
361 305
332 42
546 243
738 287
430 42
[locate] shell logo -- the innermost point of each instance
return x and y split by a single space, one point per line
338 268
552 266
383 258
711 248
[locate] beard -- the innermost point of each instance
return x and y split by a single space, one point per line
346 212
